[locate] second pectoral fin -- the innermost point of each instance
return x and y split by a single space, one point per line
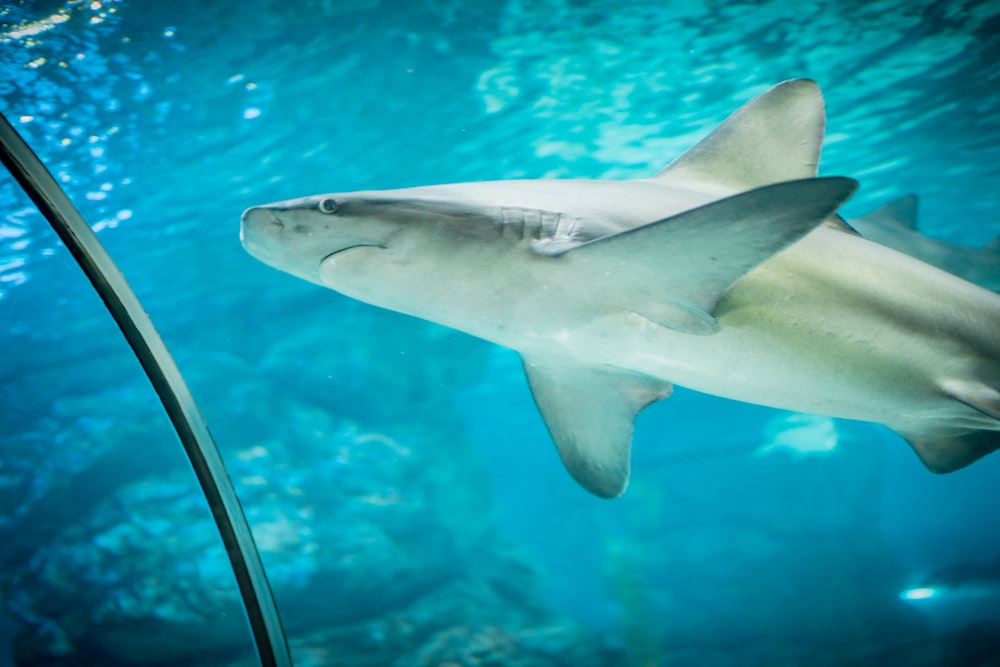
590 412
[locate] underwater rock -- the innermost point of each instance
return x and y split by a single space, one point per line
488 615
75 456
351 522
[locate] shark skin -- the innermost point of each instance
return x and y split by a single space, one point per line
895 225
728 273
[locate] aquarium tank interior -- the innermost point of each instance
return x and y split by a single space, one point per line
402 488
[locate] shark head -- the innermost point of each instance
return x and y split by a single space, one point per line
300 236
373 246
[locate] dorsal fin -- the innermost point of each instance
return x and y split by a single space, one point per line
775 137
898 213
904 210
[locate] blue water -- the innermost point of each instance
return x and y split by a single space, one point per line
405 495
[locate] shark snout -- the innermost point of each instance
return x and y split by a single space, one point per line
257 224
260 218
259 232
290 239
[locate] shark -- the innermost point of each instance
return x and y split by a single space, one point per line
971 579
895 225
728 272
957 595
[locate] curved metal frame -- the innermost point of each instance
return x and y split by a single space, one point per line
82 242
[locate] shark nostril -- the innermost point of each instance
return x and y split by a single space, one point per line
262 219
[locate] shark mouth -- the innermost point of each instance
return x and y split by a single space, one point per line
351 247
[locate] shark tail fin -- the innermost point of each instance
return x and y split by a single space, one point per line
775 137
994 245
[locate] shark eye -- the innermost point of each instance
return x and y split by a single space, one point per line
327 205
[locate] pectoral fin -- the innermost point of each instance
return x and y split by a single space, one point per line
590 413
673 271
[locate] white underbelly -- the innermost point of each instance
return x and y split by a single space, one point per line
834 325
